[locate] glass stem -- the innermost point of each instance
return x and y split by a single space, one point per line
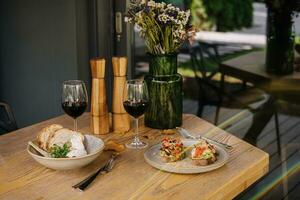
75 124
136 138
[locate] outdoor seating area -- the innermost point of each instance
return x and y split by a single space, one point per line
150 99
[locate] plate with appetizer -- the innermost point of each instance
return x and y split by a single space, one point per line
60 148
186 156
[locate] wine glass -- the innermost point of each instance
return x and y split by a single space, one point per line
135 103
74 99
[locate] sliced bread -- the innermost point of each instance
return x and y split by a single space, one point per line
44 134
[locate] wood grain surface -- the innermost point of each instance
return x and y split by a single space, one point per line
251 68
132 178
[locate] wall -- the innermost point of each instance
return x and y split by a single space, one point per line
42 43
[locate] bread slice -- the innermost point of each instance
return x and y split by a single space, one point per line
204 162
61 136
44 134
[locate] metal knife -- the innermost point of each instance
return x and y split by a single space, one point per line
186 134
105 169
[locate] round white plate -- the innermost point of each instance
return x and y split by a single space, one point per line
186 165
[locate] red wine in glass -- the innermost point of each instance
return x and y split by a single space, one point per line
135 109
135 101
74 109
74 99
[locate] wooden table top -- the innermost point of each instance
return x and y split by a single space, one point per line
132 178
251 68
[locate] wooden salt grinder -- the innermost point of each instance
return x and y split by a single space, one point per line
121 120
99 111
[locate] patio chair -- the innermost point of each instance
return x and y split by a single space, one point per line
7 119
212 92
239 99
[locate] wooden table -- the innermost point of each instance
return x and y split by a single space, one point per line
132 178
251 68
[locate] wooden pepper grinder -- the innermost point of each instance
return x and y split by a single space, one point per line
121 120
99 111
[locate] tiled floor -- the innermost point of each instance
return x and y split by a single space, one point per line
283 179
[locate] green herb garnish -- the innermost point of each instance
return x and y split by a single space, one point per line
60 152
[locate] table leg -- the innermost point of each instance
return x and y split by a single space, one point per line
277 132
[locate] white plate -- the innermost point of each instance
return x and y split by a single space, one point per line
184 166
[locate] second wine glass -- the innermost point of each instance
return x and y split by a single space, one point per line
135 103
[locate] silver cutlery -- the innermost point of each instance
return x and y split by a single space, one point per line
103 170
186 134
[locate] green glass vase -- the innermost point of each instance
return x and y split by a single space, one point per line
280 43
165 103
165 93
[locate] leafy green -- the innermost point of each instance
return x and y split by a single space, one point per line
60 152
223 15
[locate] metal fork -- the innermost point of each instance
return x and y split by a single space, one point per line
82 185
187 134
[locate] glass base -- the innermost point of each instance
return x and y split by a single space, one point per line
136 144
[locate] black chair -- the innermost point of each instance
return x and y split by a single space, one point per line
212 92
7 119
240 99
204 80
